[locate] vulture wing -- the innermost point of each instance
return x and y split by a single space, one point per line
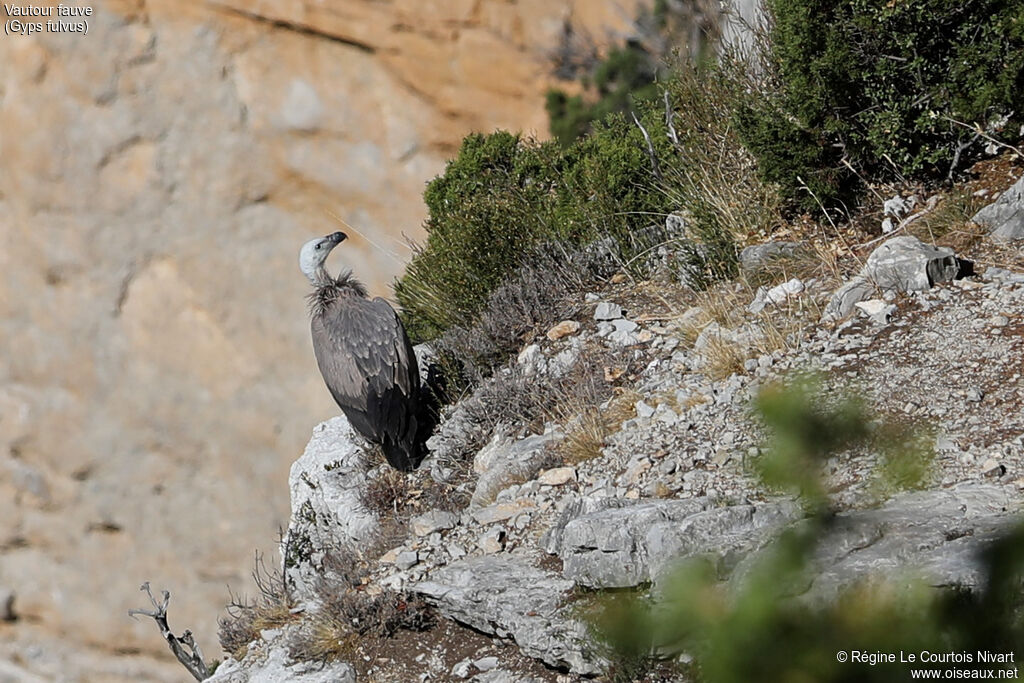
369 366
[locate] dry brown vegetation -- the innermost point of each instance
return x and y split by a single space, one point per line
387 491
350 619
245 618
537 295
588 425
723 358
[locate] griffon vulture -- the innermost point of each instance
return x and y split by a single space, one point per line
365 358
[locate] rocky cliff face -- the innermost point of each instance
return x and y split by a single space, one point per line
156 178
509 563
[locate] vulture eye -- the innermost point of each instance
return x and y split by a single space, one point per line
318 246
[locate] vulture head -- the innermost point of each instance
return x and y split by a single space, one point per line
314 253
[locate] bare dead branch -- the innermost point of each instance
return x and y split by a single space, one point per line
956 156
184 648
929 206
976 128
655 168
670 116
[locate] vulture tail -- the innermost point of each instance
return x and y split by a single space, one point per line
403 456
406 452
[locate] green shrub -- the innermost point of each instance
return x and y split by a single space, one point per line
491 201
503 195
608 188
881 86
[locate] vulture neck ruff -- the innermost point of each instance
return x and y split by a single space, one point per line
327 290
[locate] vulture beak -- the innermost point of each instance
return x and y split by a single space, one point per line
337 237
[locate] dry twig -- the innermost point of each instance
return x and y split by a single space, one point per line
184 648
669 121
929 207
655 168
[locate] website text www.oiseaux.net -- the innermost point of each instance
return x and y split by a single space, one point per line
941 666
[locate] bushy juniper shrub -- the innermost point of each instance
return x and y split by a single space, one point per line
883 87
504 194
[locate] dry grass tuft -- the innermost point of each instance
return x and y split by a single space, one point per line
245 619
723 358
323 638
350 621
584 438
387 493
952 215
588 425
784 326
724 304
777 327
815 260
690 329
720 174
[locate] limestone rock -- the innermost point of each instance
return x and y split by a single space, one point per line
503 676
846 297
778 294
493 541
878 310
499 512
407 559
508 597
758 256
631 545
605 548
327 513
268 662
563 329
504 462
938 533
557 476
900 264
1005 216
905 264
431 521
607 311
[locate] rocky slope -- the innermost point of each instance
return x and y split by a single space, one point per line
541 514
156 178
